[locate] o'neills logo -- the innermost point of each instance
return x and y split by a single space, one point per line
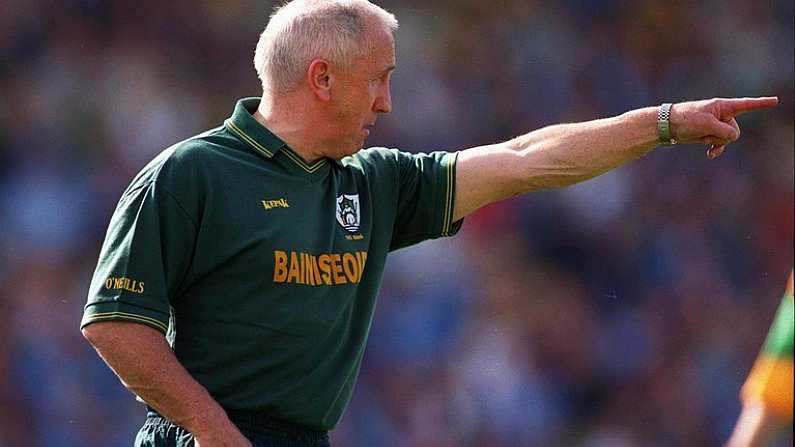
322 270
123 283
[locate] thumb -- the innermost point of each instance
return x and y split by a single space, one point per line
714 151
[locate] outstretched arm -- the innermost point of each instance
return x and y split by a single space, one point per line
565 154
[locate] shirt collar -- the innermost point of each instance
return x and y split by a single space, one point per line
243 125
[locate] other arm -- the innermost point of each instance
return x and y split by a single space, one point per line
767 392
565 154
146 365
755 427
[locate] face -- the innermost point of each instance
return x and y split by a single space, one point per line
362 93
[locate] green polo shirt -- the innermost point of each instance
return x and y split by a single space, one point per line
263 269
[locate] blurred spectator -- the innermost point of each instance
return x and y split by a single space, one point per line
622 312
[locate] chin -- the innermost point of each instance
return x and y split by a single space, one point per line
348 151
358 148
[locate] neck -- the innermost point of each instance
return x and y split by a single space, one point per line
289 119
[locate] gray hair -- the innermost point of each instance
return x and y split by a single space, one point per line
302 30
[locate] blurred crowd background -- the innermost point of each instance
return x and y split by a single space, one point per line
625 311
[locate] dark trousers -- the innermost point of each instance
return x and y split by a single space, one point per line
262 431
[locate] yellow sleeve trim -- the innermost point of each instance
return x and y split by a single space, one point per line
106 316
770 382
449 202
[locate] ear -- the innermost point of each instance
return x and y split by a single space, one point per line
319 78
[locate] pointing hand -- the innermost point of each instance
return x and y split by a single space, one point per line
712 121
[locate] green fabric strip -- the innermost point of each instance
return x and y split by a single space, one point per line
779 339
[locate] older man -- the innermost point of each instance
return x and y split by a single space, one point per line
236 285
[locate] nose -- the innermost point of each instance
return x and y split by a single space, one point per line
383 103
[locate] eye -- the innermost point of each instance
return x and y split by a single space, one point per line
380 79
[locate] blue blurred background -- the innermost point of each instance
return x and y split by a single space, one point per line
625 311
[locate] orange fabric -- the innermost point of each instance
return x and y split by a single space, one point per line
770 382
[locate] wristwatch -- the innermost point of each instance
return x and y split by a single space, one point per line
664 125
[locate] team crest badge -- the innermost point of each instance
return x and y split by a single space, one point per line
348 212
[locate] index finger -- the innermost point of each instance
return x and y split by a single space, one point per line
738 106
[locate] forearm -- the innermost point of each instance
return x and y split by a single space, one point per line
565 154
553 156
146 365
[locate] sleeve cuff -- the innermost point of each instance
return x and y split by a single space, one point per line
450 228
117 311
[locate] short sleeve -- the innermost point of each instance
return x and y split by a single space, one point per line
144 257
426 194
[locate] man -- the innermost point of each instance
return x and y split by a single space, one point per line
767 394
258 247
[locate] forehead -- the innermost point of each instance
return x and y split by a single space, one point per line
380 45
